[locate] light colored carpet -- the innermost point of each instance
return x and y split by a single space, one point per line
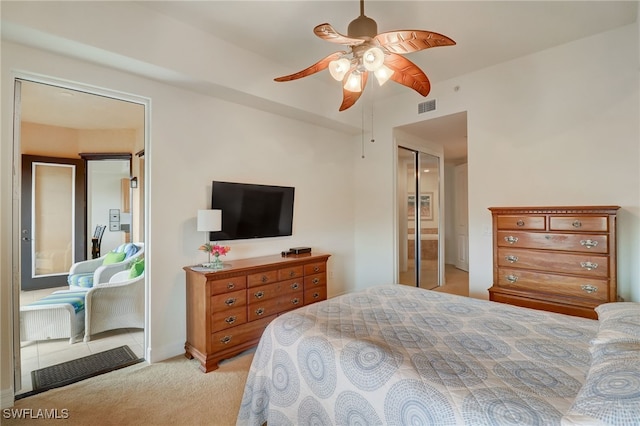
173 392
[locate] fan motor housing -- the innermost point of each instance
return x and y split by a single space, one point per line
362 26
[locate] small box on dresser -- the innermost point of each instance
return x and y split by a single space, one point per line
559 259
228 309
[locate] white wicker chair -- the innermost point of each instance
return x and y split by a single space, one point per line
116 304
102 273
55 319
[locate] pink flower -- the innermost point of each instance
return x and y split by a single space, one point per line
215 249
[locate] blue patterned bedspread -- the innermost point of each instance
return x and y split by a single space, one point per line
397 355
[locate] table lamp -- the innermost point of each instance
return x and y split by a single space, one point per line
209 221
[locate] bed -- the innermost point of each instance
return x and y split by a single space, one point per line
398 355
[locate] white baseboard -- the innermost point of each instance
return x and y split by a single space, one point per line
7 398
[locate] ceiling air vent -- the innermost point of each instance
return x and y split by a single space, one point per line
426 106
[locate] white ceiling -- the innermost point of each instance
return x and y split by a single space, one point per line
486 33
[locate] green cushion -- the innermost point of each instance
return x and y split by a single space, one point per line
113 257
137 268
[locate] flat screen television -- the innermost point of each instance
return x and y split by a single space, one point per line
252 211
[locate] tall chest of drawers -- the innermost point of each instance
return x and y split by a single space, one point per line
559 259
227 310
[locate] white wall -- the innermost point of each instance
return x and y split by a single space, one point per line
559 127
196 139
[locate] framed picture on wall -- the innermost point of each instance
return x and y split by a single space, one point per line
426 205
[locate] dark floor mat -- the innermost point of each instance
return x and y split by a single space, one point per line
82 368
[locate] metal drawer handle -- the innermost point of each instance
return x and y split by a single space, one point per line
511 239
259 311
225 340
315 280
230 320
316 295
588 243
316 269
230 301
511 278
295 286
577 224
589 266
259 294
520 222
295 301
292 274
511 258
230 285
264 279
589 288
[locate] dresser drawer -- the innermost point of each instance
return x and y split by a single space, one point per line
289 273
585 288
579 223
259 309
313 295
315 268
228 284
554 241
221 302
270 291
226 339
581 264
522 222
315 281
262 278
228 318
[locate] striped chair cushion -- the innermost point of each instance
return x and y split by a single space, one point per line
81 280
73 298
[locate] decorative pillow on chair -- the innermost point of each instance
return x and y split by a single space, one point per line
619 322
137 268
113 257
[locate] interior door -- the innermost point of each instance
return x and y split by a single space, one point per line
419 224
52 234
462 217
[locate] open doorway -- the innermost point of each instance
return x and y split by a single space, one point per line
446 136
84 150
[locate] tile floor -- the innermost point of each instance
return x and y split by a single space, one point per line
44 353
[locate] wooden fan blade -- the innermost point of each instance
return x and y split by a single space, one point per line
407 41
349 98
318 66
408 74
328 33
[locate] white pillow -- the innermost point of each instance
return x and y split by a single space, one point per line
619 322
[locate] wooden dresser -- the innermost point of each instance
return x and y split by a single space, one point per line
227 310
559 259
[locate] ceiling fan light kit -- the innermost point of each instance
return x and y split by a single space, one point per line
372 52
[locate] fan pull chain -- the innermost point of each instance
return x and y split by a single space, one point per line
371 102
362 129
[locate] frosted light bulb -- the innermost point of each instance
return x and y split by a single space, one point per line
354 82
339 68
383 74
373 59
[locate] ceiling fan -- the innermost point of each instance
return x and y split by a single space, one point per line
372 52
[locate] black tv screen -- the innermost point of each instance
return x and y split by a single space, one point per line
252 211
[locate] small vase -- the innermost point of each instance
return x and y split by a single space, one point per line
217 263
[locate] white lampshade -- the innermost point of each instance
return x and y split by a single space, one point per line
209 220
383 74
354 82
373 58
339 68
